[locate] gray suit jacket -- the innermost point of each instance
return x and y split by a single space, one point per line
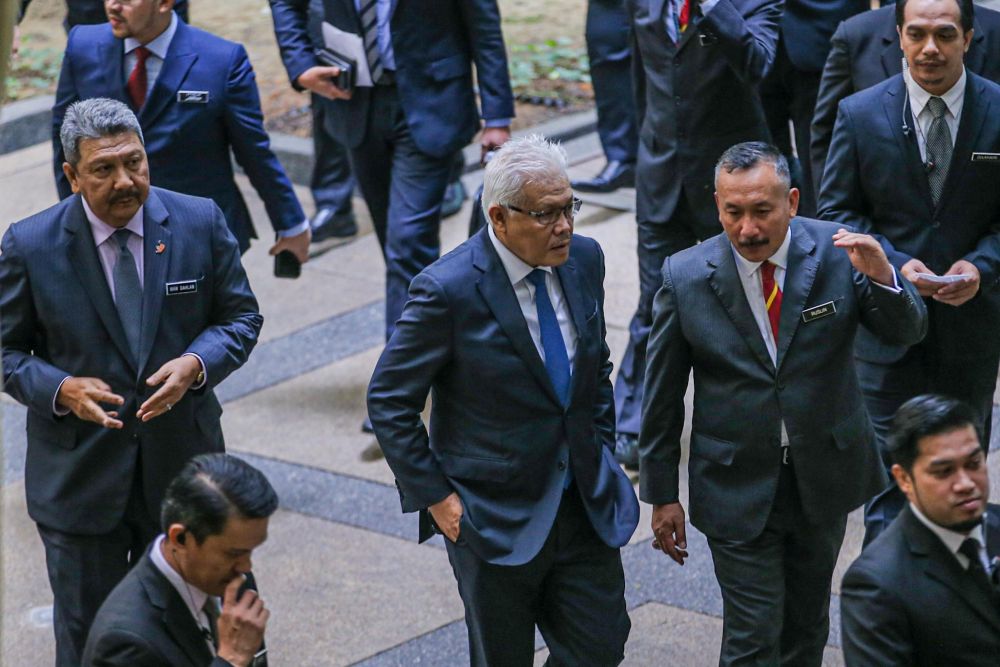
906 601
702 321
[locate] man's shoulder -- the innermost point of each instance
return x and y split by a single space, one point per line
184 209
81 38
692 262
869 25
987 88
41 227
208 44
128 607
869 100
988 20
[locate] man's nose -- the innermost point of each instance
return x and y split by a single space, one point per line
123 179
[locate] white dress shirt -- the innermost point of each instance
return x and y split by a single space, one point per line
194 598
954 99
157 53
518 270
753 287
107 246
952 539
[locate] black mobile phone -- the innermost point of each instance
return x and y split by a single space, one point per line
286 265
330 58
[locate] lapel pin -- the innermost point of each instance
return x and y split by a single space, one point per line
160 247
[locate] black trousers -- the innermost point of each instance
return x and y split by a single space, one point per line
611 72
573 590
776 587
83 570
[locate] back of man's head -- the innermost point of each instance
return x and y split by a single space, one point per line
924 416
210 489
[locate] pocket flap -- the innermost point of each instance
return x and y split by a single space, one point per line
711 449
483 468
61 433
449 68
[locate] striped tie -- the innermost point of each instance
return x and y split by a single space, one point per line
369 33
939 148
772 297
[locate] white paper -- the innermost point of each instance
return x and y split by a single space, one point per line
944 280
352 46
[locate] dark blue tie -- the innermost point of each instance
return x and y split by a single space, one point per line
128 292
556 359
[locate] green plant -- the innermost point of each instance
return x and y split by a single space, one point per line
34 71
553 60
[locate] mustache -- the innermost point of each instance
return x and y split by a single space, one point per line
753 242
131 193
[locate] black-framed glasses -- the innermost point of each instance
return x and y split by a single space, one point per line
549 218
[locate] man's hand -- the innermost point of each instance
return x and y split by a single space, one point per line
447 515
910 271
866 255
241 624
298 244
492 139
668 531
82 397
319 79
176 376
955 294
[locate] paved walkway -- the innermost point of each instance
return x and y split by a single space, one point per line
342 572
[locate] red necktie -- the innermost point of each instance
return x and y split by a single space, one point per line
136 85
772 296
685 16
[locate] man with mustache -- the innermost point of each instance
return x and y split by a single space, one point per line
123 306
938 555
782 449
915 161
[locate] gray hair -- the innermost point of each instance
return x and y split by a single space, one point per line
92 119
518 163
751 153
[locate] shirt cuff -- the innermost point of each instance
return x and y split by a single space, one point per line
707 5
503 122
895 288
56 409
294 231
204 377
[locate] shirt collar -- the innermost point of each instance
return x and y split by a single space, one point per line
952 539
159 45
779 258
102 231
919 97
194 598
517 269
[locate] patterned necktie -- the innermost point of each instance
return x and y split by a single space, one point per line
685 16
369 33
128 292
939 148
772 296
970 549
211 609
556 358
136 85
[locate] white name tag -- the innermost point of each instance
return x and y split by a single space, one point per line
182 287
192 96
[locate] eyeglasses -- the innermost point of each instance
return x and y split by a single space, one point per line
549 218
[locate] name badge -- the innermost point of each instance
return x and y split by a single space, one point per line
993 158
192 96
707 38
182 287
817 312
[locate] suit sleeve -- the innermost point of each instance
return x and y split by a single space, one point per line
604 410
66 94
121 648
418 349
986 256
835 84
874 630
225 344
748 43
28 378
252 148
291 30
897 318
482 21
668 365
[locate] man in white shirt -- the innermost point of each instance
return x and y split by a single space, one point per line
192 601
924 593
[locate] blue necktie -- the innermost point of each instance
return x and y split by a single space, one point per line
128 292
556 359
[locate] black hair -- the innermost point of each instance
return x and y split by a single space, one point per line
210 489
749 154
966 11
925 416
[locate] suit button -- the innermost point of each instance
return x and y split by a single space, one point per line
562 465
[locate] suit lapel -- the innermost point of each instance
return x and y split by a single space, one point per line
975 110
177 619
85 261
499 295
724 279
155 265
578 302
897 110
799 277
180 58
113 53
892 56
992 523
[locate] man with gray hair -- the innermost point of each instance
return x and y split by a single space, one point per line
123 305
518 471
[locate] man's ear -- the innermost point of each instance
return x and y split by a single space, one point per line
498 218
903 480
968 39
793 201
177 535
71 176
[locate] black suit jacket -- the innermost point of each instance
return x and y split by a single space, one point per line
145 623
865 51
877 183
806 27
907 601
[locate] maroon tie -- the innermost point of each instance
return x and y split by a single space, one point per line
136 85
772 296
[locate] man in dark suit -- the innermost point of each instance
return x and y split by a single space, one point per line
865 51
914 162
789 90
196 99
697 67
922 594
191 601
122 307
91 12
518 471
765 315
404 131
610 55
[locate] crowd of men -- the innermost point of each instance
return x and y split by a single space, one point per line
818 247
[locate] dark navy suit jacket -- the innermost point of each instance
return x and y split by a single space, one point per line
59 320
806 27
188 143
435 43
499 436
